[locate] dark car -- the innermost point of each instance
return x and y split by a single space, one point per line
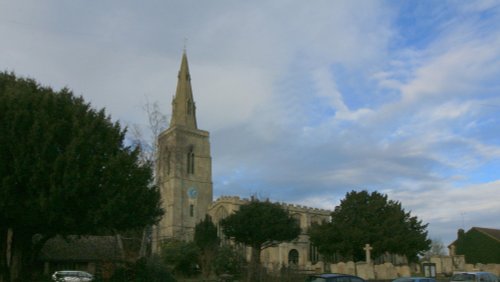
414 279
72 276
334 277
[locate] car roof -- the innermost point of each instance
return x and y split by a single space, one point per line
71 271
412 278
329 275
472 272
67 271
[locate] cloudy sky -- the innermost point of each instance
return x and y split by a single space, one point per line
304 100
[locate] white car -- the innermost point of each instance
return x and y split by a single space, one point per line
72 276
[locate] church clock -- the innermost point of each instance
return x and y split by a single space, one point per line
192 193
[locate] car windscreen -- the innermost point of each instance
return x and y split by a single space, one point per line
463 277
67 274
403 280
316 279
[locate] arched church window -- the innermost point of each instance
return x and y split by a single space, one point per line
191 210
190 160
293 257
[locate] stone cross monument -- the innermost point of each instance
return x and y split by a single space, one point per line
367 249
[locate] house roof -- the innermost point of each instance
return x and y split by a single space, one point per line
493 233
75 248
490 232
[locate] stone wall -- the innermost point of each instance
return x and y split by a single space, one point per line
445 267
369 271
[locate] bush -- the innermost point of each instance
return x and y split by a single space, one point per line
181 257
144 270
229 261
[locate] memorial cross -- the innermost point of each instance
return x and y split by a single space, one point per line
367 249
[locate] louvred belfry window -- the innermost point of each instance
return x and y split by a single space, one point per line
190 161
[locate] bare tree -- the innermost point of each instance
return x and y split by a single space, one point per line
147 139
437 249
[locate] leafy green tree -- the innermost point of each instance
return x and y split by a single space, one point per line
181 257
64 169
260 225
205 237
364 218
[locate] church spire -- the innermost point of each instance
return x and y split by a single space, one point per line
183 107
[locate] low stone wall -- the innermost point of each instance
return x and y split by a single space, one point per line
368 271
493 268
445 266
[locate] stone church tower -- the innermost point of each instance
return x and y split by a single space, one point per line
184 177
184 168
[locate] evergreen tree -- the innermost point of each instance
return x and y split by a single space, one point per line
364 218
229 261
64 169
205 237
260 225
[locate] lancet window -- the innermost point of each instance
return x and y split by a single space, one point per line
190 160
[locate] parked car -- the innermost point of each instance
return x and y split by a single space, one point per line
414 279
334 277
72 276
474 277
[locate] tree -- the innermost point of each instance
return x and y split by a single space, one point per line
181 257
260 225
437 248
64 169
229 261
363 218
147 141
205 237
150 269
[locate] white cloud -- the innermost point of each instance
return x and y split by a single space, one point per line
441 204
304 102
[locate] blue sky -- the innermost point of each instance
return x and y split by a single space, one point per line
304 100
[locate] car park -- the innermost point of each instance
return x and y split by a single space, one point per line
334 277
480 276
72 276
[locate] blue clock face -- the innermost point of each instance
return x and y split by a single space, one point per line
192 193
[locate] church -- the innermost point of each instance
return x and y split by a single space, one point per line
184 176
